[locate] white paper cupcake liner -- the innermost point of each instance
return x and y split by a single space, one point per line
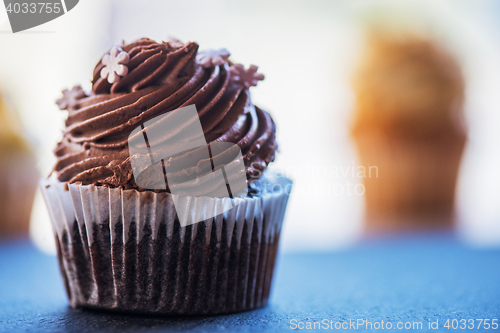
126 250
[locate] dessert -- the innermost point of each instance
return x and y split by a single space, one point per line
408 124
122 239
18 175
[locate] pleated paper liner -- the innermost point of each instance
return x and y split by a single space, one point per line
125 250
413 185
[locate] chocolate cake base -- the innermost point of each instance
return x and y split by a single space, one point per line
196 271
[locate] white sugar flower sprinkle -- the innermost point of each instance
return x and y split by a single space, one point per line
114 65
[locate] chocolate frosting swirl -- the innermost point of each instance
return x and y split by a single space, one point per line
161 77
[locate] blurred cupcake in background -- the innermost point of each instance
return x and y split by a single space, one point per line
18 175
408 124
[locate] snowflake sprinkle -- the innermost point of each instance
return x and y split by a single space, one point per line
114 64
70 97
247 77
213 57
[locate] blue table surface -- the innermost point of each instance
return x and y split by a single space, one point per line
406 279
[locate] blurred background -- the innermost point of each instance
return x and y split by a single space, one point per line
342 82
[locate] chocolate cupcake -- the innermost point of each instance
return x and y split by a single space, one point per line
18 175
158 199
408 124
